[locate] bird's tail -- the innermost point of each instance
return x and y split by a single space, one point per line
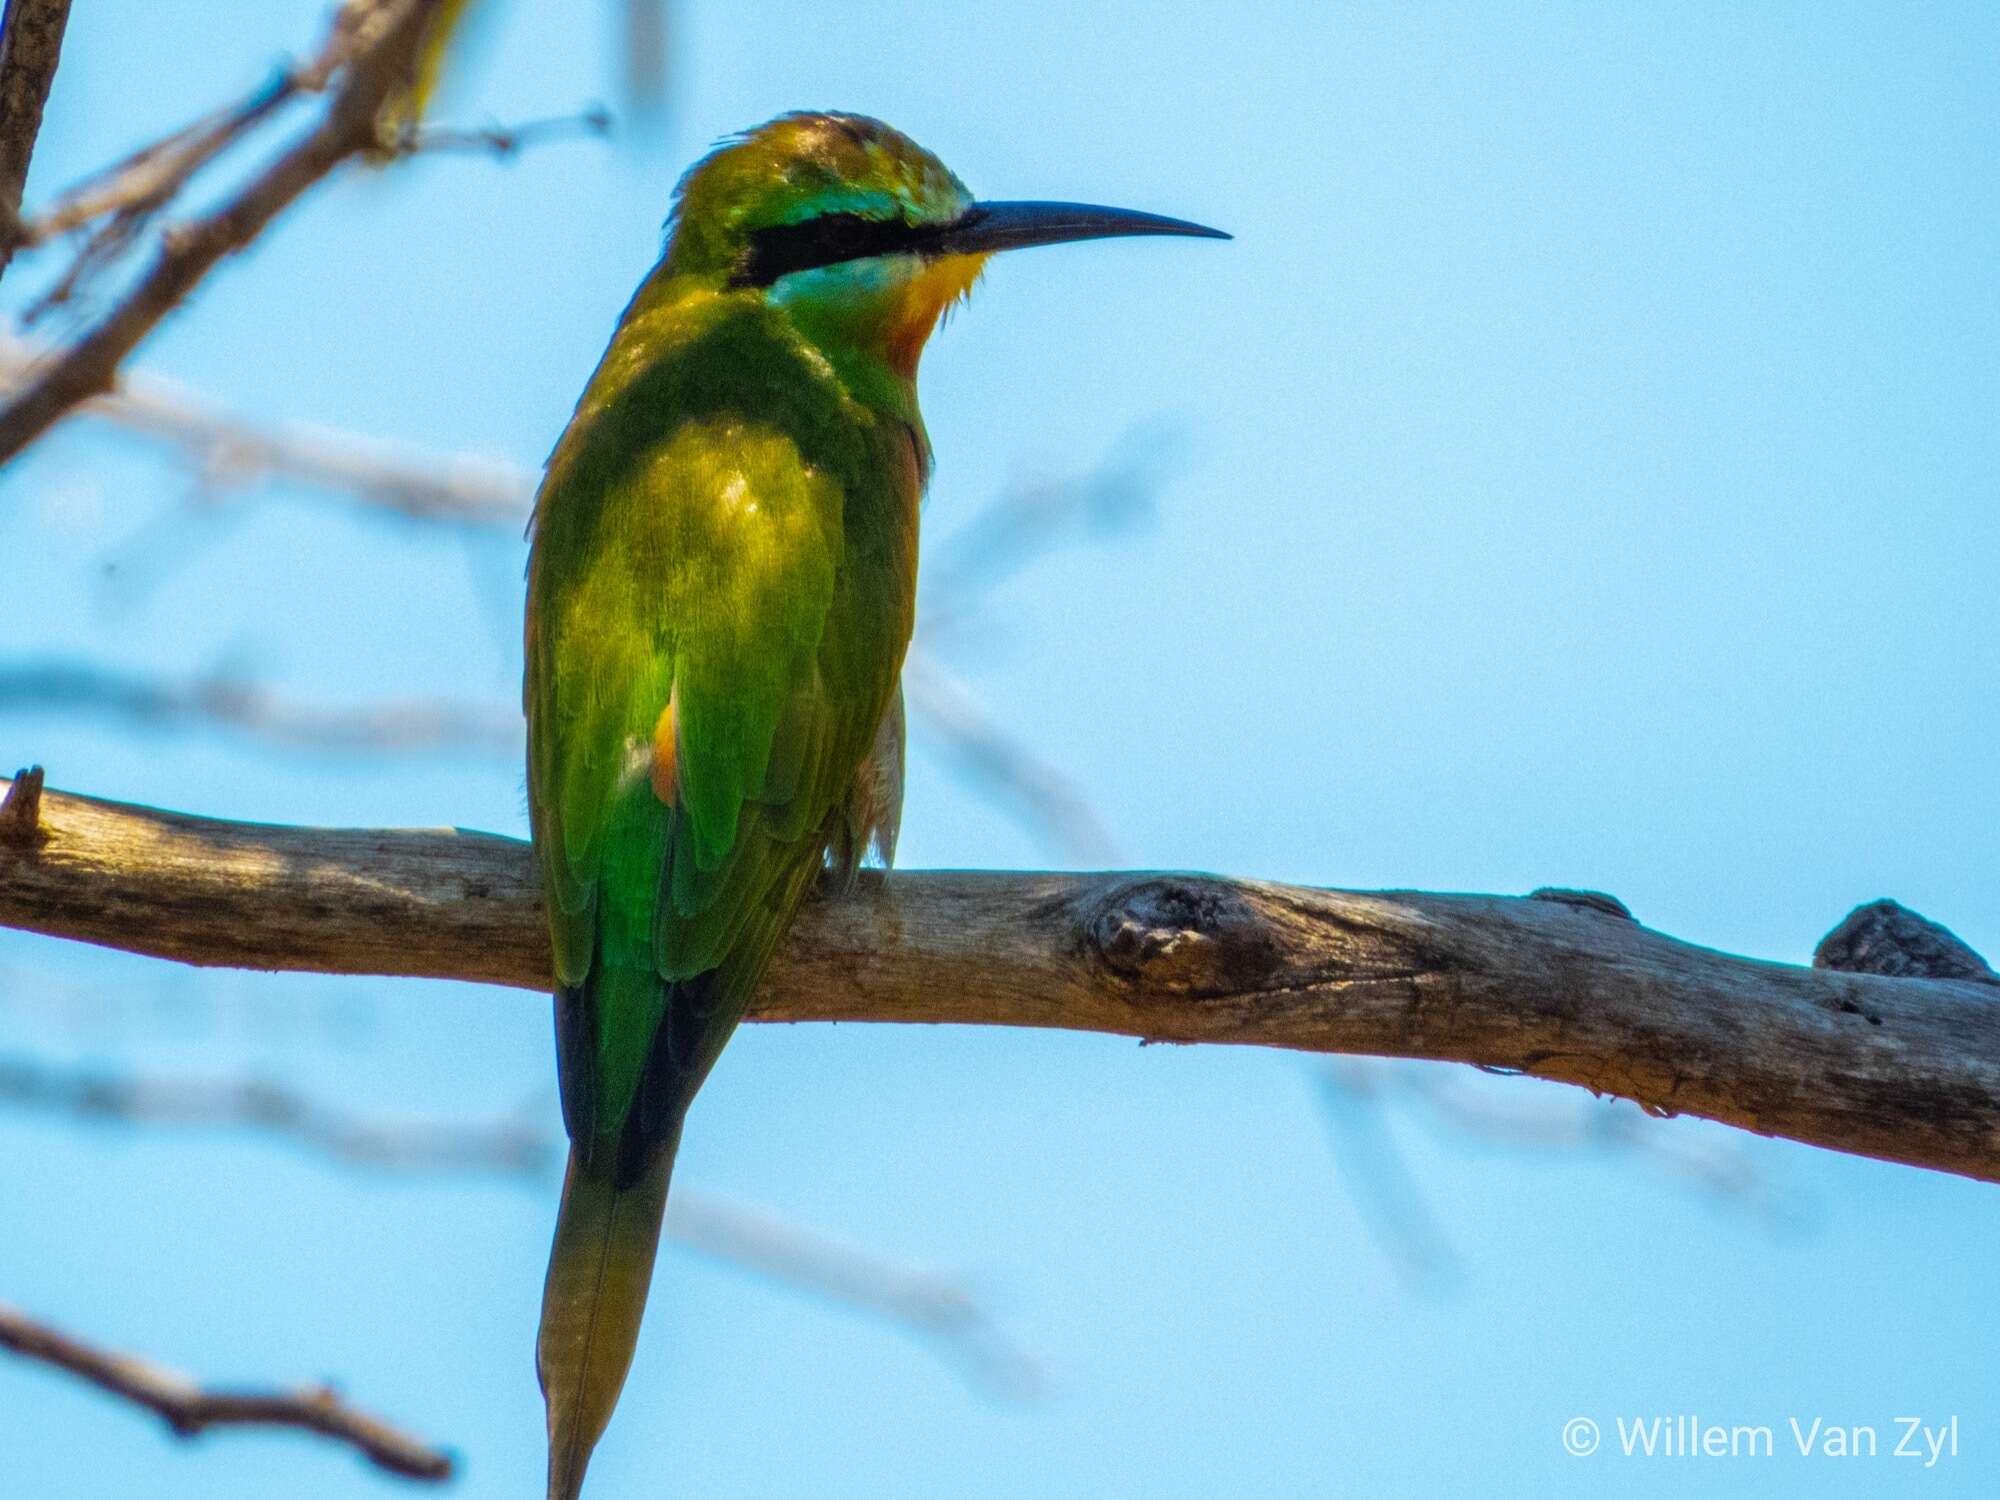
607 1231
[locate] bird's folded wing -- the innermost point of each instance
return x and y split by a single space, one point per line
686 744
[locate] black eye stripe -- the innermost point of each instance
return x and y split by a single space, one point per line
826 240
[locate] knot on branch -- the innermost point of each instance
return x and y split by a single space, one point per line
1886 937
21 811
1611 906
1183 933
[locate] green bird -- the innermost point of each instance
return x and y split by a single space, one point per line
720 593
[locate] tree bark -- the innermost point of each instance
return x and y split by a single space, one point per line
1559 985
31 37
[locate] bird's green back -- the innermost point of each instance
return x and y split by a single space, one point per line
726 536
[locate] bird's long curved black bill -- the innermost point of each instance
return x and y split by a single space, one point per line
990 227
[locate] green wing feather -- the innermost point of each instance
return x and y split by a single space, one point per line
687 554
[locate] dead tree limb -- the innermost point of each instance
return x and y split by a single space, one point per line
1555 985
31 39
370 56
190 1409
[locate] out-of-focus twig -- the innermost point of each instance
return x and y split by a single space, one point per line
30 47
1386 1192
1612 1125
117 202
518 1145
1000 763
936 1307
190 1409
229 452
1027 522
415 725
645 53
515 1145
500 140
1355 1087
369 54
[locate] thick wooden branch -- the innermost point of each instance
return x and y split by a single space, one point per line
1558 985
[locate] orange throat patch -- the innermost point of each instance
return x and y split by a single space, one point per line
925 299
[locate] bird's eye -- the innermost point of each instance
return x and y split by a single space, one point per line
841 231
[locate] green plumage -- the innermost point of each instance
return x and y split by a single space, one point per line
726 536
721 589
756 572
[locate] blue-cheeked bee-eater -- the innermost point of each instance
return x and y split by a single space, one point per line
720 593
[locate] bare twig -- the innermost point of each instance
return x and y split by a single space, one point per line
1366 1154
935 1307
229 451
31 39
513 1146
122 199
1906 1070
418 725
503 141
1026 522
370 53
1609 1125
190 1409
645 52
1001 764
152 176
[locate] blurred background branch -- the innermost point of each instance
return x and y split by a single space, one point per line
30 48
1357 1095
227 452
219 700
515 1145
191 1409
371 54
230 454
937 1308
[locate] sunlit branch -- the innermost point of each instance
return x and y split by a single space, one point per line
1553 985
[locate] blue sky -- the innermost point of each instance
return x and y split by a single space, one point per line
1582 471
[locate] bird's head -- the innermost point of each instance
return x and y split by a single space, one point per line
858 232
